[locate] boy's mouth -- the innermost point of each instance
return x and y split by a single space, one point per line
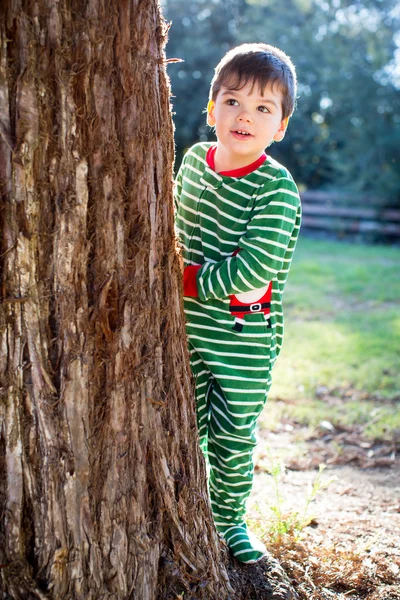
240 133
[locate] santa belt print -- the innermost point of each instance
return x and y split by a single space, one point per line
250 308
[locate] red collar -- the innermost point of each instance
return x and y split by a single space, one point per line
210 158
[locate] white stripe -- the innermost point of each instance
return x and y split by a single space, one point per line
244 541
236 191
274 229
246 182
209 281
247 266
260 248
232 436
268 216
234 457
233 414
246 242
196 156
220 240
233 354
284 204
238 378
233 204
222 213
229 270
223 253
190 223
224 343
236 467
194 211
279 190
236 367
189 237
266 175
220 226
192 168
221 283
204 305
225 474
231 484
248 285
236 391
272 257
242 552
213 206
218 410
210 328
201 282
196 362
193 184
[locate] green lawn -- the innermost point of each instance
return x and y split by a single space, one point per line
342 335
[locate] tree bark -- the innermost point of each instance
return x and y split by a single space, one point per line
102 490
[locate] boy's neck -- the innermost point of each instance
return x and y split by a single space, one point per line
224 161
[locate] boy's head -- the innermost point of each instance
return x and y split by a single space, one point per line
260 65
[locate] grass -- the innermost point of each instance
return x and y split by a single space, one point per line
342 332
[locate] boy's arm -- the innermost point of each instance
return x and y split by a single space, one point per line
271 235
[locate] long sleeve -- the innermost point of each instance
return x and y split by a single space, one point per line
265 249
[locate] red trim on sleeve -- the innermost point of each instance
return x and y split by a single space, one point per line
190 281
210 158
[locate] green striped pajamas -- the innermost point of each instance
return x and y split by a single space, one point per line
237 234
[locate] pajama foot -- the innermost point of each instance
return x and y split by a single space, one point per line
243 544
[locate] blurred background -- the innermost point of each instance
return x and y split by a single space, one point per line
343 141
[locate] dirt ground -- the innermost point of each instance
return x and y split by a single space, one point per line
351 548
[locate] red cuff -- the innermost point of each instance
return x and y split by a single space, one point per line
190 281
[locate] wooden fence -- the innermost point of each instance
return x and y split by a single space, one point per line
345 214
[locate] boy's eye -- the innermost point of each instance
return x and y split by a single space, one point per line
263 109
232 102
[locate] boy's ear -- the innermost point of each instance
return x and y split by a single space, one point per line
210 113
280 134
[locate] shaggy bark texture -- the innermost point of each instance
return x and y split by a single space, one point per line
102 487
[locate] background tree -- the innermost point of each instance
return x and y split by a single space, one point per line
345 133
102 489
200 34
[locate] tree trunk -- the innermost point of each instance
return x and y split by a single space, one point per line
102 490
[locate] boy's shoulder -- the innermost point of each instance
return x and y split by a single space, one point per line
274 169
197 153
277 179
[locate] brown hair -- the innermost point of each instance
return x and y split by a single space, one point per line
259 64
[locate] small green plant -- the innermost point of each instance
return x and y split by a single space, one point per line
294 522
318 486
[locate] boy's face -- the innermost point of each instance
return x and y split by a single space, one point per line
246 122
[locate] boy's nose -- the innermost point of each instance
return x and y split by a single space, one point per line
244 116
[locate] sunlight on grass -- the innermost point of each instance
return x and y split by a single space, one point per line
342 330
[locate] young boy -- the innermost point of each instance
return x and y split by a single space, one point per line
237 218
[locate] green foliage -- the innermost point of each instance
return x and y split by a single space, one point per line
346 130
201 32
